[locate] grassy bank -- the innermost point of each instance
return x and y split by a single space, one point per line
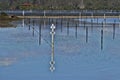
5 20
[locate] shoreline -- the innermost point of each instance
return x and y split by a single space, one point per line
68 16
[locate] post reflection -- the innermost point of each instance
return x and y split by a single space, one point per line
52 62
114 29
71 26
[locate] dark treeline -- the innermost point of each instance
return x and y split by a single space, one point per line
60 4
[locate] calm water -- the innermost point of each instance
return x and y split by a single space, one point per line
85 49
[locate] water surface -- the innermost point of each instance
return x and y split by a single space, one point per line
83 50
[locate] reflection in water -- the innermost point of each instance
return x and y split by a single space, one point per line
61 24
23 22
33 31
80 17
84 23
92 24
71 22
104 20
56 22
49 21
52 62
39 34
119 20
7 61
29 21
97 21
102 39
33 22
82 58
102 33
86 34
23 13
44 21
114 29
52 20
74 33
68 28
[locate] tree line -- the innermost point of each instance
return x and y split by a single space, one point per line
60 4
